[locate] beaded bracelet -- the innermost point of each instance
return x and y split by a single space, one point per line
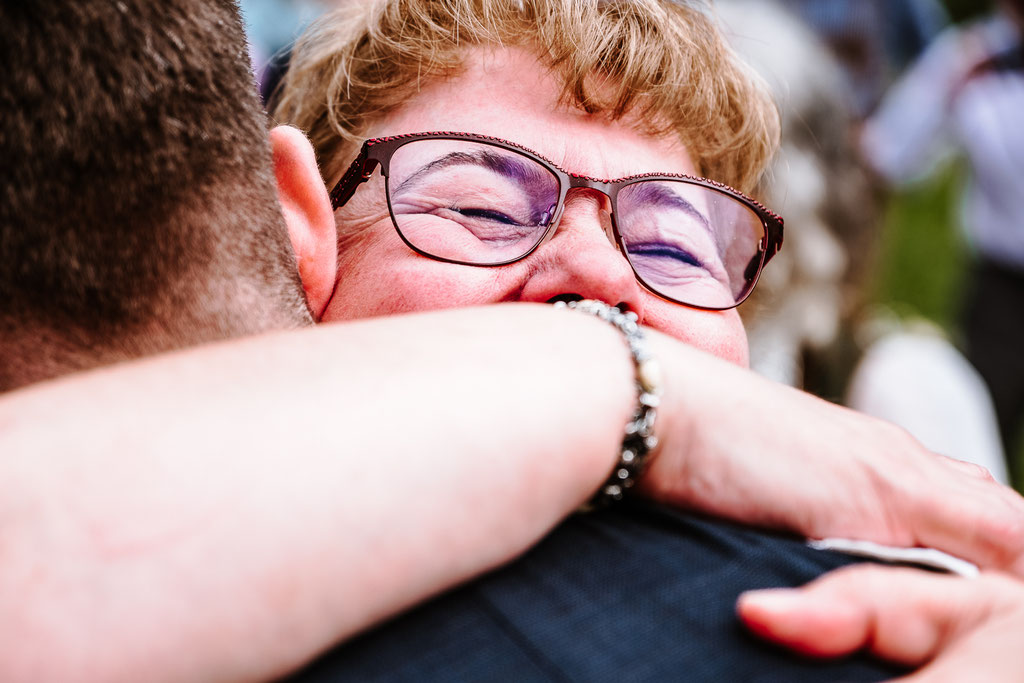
639 439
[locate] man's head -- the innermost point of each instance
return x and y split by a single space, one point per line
139 210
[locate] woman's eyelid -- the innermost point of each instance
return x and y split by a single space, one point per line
700 252
655 249
502 196
487 214
686 268
654 231
491 230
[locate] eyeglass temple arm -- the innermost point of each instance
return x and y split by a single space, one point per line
771 245
774 240
357 174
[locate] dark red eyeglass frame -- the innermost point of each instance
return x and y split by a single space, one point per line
377 152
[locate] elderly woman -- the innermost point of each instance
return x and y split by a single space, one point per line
508 204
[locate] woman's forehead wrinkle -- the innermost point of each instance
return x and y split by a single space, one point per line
598 150
584 156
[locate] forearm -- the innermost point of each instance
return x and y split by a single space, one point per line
233 509
743 448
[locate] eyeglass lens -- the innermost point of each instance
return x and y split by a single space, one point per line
482 204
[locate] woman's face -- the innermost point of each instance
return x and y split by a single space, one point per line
506 93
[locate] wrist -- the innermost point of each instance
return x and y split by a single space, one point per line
639 437
667 475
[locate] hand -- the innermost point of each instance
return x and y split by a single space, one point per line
958 629
738 446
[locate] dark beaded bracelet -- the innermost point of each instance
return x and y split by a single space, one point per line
639 439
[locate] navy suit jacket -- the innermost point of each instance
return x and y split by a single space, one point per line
635 592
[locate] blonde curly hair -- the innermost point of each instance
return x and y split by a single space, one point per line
664 61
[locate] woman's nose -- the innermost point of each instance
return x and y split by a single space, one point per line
580 260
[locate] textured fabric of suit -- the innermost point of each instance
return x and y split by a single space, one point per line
635 593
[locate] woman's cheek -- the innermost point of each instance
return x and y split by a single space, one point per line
719 333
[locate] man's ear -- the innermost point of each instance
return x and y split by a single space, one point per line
307 213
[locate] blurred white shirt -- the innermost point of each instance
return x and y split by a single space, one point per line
919 381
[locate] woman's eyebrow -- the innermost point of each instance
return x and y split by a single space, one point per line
657 194
522 171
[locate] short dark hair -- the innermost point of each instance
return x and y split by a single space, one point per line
138 195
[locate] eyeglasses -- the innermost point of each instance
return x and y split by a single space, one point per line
480 201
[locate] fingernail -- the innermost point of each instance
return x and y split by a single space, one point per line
773 600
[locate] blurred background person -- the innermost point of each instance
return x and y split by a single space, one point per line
813 325
965 96
872 40
807 305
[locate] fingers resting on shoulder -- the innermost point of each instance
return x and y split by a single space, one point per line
955 628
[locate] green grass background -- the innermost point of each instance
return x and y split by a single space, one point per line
922 258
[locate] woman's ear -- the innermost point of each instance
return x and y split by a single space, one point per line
307 213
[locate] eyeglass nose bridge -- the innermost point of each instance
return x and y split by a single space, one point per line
581 182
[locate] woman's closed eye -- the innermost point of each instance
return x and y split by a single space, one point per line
665 251
485 214
671 263
486 224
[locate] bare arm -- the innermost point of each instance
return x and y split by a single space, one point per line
248 504
233 510
769 455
